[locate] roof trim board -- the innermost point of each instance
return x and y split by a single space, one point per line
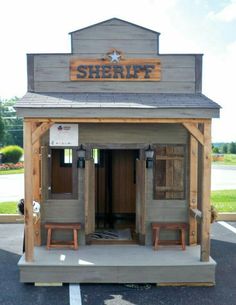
113 19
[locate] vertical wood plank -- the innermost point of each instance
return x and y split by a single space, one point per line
138 196
206 192
169 172
30 72
29 229
89 196
198 73
143 199
36 189
44 174
193 187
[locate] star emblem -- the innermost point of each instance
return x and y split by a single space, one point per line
115 57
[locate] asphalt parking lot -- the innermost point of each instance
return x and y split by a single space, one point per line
223 250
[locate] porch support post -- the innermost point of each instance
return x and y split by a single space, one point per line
193 189
206 192
141 199
36 164
89 197
37 189
29 228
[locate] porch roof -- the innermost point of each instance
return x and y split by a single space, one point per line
98 104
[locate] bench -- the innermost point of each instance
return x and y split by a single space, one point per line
62 226
157 226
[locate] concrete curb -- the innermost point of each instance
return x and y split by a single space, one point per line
16 218
11 218
226 217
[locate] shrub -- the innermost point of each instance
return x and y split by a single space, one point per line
11 154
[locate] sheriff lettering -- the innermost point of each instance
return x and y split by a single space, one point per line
109 71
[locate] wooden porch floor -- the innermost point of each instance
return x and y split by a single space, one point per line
118 264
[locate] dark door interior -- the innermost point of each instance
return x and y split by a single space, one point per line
63 174
115 195
61 177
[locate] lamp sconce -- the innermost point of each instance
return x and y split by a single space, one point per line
81 157
149 153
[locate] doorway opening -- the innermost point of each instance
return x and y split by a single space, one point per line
62 174
115 195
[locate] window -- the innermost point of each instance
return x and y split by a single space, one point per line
66 157
169 172
98 156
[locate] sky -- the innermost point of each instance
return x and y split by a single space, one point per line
196 26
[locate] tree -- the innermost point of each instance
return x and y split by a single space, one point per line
232 147
13 126
2 128
225 148
215 150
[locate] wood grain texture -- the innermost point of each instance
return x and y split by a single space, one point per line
89 196
63 211
118 120
193 129
37 188
30 73
29 228
193 188
44 173
36 171
170 61
132 133
113 32
124 70
198 73
61 176
141 197
123 186
40 130
103 45
206 192
51 73
115 87
121 115
60 74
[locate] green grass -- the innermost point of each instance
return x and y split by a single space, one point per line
8 207
229 159
224 200
12 171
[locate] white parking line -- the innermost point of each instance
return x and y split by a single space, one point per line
226 225
75 295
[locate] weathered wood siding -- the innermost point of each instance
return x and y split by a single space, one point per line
132 133
62 211
163 211
115 34
51 73
65 211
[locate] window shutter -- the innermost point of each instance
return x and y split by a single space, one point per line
169 172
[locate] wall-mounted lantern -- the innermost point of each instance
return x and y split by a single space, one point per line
149 153
81 157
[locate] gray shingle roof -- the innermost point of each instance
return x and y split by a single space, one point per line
116 100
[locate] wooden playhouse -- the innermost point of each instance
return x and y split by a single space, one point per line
118 152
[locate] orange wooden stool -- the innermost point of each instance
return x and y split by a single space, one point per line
62 226
157 226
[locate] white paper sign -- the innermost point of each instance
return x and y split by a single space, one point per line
64 135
